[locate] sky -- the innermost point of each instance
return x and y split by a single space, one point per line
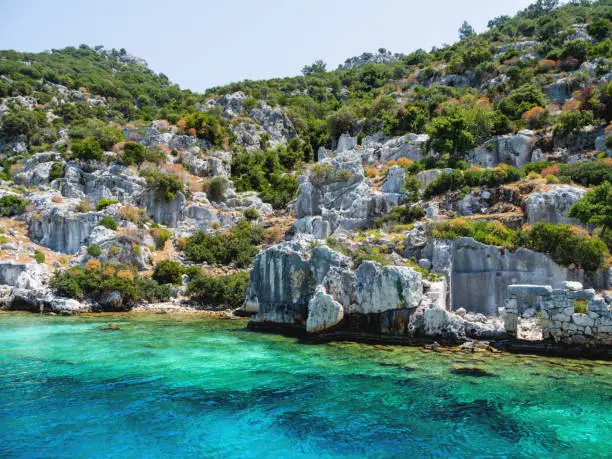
201 44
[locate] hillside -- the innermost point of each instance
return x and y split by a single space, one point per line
135 191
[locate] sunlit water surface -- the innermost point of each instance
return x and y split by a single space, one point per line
168 386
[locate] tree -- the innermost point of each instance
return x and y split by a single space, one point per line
168 272
87 149
317 66
599 29
595 208
449 133
133 153
466 30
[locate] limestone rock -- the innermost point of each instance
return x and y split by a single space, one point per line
379 288
323 312
514 150
553 205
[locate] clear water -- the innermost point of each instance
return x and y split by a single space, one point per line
167 386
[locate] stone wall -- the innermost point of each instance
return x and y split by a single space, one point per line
557 313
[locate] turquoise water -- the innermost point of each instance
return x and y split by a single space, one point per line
167 386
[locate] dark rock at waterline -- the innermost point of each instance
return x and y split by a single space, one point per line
477 372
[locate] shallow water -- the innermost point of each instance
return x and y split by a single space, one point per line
193 387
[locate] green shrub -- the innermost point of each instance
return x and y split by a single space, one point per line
237 246
589 173
166 186
168 272
39 256
133 153
96 279
595 207
208 126
262 172
251 214
160 235
227 291
218 187
88 149
57 171
108 222
402 215
474 177
493 233
11 205
105 202
94 250
84 206
569 124
581 306
566 245
105 136
65 283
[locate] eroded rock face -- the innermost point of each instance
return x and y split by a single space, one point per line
294 285
163 211
553 205
379 288
337 195
514 150
282 284
62 229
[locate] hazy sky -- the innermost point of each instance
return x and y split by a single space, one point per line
200 44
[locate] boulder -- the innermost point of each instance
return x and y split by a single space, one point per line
380 288
553 205
323 312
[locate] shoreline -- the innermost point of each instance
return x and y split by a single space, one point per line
510 346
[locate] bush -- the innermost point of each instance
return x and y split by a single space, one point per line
131 214
84 206
104 135
133 153
39 257
166 186
473 177
11 205
105 202
599 29
251 214
96 279
94 250
570 123
402 215
238 246
108 222
566 245
168 272
229 291
57 171
218 187
88 149
589 173
160 236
